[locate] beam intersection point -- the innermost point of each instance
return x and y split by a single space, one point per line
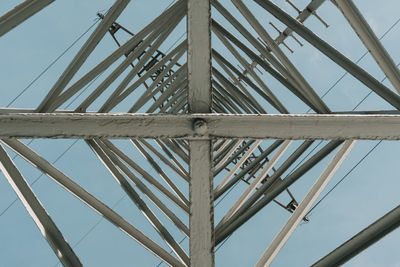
177 126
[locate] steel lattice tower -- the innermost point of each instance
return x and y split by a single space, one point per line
200 122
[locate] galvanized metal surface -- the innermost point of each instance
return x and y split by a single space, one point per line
200 116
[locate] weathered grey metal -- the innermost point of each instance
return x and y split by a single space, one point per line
199 89
252 205
289 83
309 10
358 72
240 162
142 187
38 213
368 37
177 9
83 54
301 211
178 168
266 126
90 200
270 96
200 100
21 13
362 240
159 35
254 184
111 162
292 70
247 169
228 153
162 174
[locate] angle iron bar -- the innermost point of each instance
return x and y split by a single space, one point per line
148 94
288 83
20 13
230 99
145 190
176 102
217 107
238 95
219 100
278 173
178 169
304 85
84 105
226 64
98 206
139 50
250 38
176 149
111 165
199 99
171 156
238 164
173 91
247 169
254 184
248 210
362 240
356 71
265 53
228 154
301 211
302 17
134 41
159 170
370 40
179 106
222 99
116 97
169 126
38 213
274 101
220 147
80 58
256 106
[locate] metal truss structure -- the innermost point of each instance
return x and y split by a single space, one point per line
206 119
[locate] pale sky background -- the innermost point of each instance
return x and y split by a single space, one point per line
369 192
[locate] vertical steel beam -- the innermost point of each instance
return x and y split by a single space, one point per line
199 55
38 213
368 37
301 211
362 240
199 79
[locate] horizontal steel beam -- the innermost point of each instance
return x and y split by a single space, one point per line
200 126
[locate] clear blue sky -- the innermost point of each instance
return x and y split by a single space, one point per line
369 192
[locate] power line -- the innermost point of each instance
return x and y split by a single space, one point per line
344 177
355 166
52 63
358 163
29 86
337 82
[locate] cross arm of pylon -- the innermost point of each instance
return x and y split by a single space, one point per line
200 126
